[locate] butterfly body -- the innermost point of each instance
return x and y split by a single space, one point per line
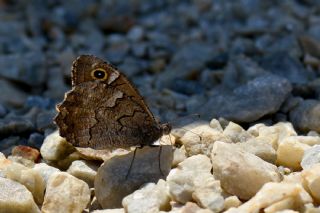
104 110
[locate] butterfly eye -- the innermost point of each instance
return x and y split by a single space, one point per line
99 74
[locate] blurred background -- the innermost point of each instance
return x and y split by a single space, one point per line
247 61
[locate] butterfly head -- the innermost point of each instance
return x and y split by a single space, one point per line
90 68
166 128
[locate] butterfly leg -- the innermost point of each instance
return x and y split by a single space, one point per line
131 164
159 157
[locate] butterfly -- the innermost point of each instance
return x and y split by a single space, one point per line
103 110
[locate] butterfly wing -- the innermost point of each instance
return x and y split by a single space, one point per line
102 116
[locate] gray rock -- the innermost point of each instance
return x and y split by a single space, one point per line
10 95
112 185
25 68
306 116
35 140
310 157
45 120
15 125
3 111
259 97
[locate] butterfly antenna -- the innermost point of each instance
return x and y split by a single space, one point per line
131 164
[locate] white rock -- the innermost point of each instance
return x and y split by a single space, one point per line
55 147
241 173
150 198
260 148
109 211
179 155
45 171
29 178
310 157
114 179
232 201
2 156
215 124
3 165
15 198
101 155
189 207
309 140
275 196
84 170
311 181
24 161
236 133
65 193
199 140
290 152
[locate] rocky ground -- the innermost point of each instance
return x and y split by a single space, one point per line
256 63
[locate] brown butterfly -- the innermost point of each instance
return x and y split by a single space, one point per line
103 110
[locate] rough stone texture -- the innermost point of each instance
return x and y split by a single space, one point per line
241 173
236 133
200 139
188 207
179 155
15 198
150 198
311 157
290 152
45 171
271 195
29 178
84 170
55 147
306 116
109 211
249 102
114 180
311 181
100 155
65 193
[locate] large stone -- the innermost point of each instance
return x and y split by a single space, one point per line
241 173
10 95
290 152
249 102
55 147
65 193
200 139
15 198
306 116
276 196
310 157
84 170
150 198
311 181
115 179
29 178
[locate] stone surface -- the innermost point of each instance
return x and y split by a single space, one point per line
236 133
55 147
241 173
179 155
115 179
11 96
200 139
290 152
100 155
26 152
30 178
84 170
306 116
150 198
45 171
15 198
65 193
15 125
249 102
310 157
311 181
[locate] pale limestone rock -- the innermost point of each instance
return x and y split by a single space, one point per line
16 198
236 133
254 130
241 173
215 124
55 147
310 157
309 140
189 207
3 165
65 193
64 164
232 201
290 152
21 160
181 129
84 170
259 148
2 156
311 181
150 198
45 171
309 208
192 180
179 155
114 179
27 177
199 140
278 194
101 155
285 211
